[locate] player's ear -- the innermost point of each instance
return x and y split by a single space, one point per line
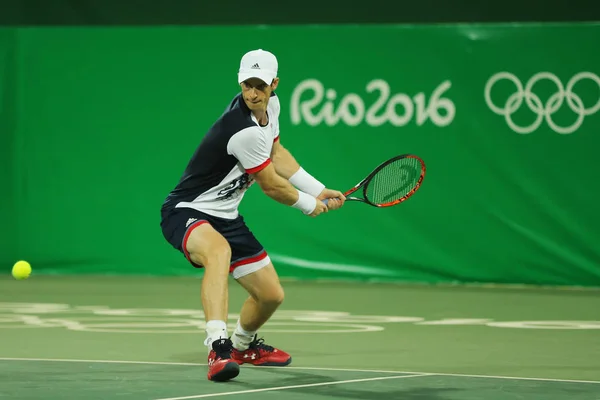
275 83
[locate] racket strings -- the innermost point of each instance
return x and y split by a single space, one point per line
394 181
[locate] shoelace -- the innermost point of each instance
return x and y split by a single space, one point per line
223 350
260 344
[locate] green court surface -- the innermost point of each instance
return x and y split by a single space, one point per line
89 337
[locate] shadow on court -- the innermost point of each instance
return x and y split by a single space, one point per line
422 393
394 389
430 387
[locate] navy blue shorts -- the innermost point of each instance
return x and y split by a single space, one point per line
247 254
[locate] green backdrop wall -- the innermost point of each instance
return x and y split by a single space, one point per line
102 122
8 212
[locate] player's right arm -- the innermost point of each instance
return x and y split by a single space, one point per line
250 148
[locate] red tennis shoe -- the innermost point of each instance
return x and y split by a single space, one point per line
260 354
221 367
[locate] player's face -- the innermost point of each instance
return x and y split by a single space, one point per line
257 93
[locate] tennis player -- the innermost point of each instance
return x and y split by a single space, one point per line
200 215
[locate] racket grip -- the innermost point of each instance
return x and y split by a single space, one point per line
327 201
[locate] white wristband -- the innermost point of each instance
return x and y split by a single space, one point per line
306 203
306 182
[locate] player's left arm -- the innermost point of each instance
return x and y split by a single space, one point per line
287 167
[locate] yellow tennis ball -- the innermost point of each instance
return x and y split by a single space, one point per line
21 270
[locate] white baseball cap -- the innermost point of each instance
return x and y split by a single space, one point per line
259 64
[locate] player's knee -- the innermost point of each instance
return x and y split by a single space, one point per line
273 297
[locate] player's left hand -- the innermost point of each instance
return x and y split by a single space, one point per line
336 198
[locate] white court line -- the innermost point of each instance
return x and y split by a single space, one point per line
305 368
381 378
66 360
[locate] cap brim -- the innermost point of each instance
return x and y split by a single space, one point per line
264 76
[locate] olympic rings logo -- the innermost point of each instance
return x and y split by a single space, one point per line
543 111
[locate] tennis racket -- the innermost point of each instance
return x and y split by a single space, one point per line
391 183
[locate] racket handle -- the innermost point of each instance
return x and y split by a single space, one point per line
326 201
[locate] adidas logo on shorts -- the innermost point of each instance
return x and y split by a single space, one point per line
190 221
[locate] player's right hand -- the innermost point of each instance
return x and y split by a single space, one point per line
320 208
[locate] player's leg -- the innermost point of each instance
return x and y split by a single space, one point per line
206 247
252 269
193 234
266 295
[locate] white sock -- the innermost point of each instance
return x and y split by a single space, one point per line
215 329
241 338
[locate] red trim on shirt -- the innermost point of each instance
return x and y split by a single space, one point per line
276 139
259 167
